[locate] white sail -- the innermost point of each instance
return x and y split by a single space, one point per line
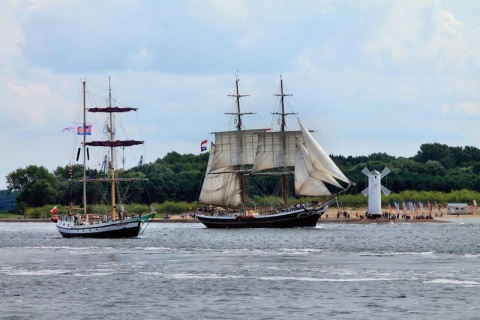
234 148
305 183
320 159
312 170
220 188
276 149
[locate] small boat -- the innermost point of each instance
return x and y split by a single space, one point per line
77 221
239 153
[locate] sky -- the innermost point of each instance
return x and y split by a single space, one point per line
368 76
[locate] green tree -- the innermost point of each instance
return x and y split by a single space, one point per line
432 151
36 185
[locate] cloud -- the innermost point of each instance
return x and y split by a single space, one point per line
468 108
370 76
11 36
140 59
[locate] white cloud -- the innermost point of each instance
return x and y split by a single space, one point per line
11 36
219 12
468 108
140 59
449 22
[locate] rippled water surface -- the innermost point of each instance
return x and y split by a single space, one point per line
185 271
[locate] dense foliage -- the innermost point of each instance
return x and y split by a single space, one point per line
432 174
436 167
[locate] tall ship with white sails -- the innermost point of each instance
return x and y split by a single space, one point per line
239 153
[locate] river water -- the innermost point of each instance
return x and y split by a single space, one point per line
186 271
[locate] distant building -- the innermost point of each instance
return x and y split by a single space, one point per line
458 208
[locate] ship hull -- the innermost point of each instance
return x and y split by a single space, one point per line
292 219
129 228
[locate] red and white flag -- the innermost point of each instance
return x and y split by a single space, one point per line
203 146
54 210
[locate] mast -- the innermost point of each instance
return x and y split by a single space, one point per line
283 114
112 150
111 143
84 153
239 115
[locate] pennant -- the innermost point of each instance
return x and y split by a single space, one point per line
69 129
397 205
203 146
54 210
88 129
412 206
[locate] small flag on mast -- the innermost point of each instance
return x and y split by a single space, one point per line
88 130
203 146
54 210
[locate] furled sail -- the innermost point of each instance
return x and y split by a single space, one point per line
221 188
234 148
320 159
276 149
112 109
116 143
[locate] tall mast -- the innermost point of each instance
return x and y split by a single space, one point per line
239 115
283 115
112 143
112 150
282 105
84 149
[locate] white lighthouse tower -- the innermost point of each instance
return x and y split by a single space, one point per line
373 191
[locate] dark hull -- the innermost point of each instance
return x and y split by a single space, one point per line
297 218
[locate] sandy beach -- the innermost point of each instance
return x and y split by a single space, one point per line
331 217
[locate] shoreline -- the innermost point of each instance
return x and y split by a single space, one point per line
320 221
330 216
340 220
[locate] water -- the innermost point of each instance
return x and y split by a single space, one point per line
185 271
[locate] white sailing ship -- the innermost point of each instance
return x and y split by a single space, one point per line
78 222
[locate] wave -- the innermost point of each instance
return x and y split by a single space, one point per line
327 279
411 253
191 275
43 272
455 282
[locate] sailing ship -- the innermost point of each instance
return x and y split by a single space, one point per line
78 222
238 153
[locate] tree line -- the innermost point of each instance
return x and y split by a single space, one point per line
435 169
